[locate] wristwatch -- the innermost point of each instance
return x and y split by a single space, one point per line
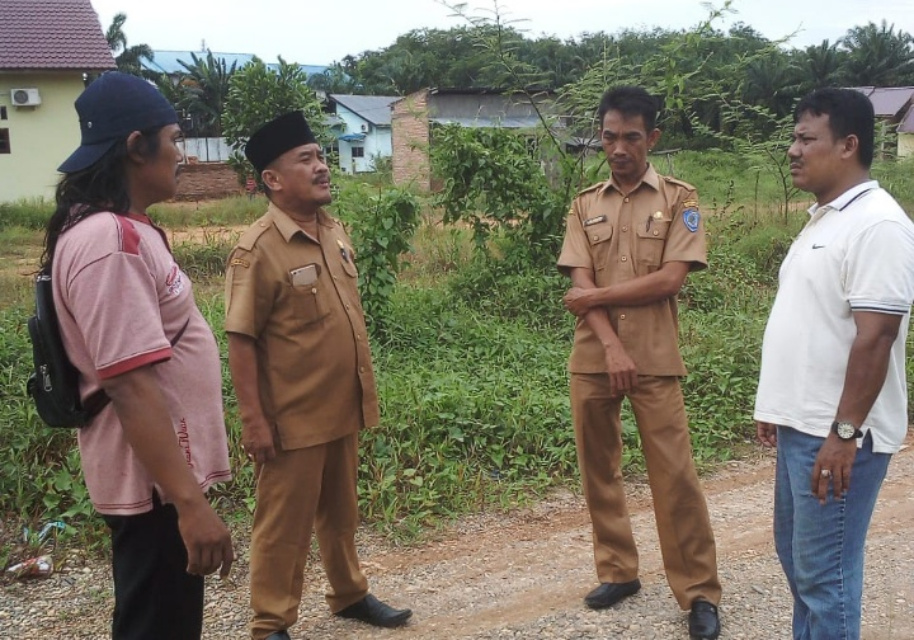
846 430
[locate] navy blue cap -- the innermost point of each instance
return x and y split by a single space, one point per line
273 139
110 109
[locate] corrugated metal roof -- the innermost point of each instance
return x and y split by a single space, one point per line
167 61
374 109
889 101
529 122
52 34
333 120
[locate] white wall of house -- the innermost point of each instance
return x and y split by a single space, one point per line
377 142
905 145
41 136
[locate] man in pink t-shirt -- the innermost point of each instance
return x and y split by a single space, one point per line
130 326
115 275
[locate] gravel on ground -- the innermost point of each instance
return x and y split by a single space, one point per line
523 575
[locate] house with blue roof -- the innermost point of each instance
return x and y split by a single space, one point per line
169 62
361 125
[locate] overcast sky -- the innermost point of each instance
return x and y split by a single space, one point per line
319 32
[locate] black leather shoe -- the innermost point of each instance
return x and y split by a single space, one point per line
609 593
371 610
704 623
278 635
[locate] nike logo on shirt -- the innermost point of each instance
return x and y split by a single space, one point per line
818 246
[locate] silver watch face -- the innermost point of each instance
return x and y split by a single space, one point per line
846 430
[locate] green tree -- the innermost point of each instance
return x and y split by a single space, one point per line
256 95
334 80
127 58
772 82
819 66
878 55
204 91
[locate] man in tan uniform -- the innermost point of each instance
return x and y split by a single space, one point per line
301 368
630 243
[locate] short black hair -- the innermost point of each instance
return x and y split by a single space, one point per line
631 101
849 113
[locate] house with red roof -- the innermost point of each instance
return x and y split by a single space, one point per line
47 49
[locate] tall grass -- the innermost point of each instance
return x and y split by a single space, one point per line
231 212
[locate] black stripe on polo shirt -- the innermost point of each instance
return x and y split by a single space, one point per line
856 197
895 311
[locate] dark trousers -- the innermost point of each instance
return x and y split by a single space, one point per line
154 596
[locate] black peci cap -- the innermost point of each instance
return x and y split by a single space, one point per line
276 137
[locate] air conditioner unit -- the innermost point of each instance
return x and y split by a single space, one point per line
364 128
25 97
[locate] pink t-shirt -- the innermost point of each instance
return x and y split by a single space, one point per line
121 300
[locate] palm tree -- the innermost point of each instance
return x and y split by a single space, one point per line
128 59
820 66
205 89
771 81
877 55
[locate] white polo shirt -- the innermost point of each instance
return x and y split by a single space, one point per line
855 254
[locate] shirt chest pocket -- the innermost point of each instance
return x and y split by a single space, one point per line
307 303
599 237
651 234
349 267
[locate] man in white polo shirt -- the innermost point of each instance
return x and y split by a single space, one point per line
832 394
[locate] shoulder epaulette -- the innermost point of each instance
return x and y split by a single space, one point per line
677 181
250 237
592 187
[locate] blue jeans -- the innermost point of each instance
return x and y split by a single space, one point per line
821 546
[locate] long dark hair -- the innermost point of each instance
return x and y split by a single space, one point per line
101 187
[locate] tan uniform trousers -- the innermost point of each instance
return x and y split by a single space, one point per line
683 525
297 490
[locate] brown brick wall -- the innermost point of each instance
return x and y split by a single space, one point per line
410 131
207 181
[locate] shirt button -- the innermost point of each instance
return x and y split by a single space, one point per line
625 200
334 277
347 307
595 238
624 259
622 317
624 228
656 233
313 290
361 369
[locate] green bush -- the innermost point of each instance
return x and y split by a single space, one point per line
31 214
40 475
471 369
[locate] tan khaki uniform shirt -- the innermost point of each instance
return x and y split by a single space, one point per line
299 300
620 237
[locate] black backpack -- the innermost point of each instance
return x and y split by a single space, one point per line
54 386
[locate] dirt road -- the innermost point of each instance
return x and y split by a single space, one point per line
523 576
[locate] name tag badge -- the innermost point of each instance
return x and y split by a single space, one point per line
592 221
304 276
